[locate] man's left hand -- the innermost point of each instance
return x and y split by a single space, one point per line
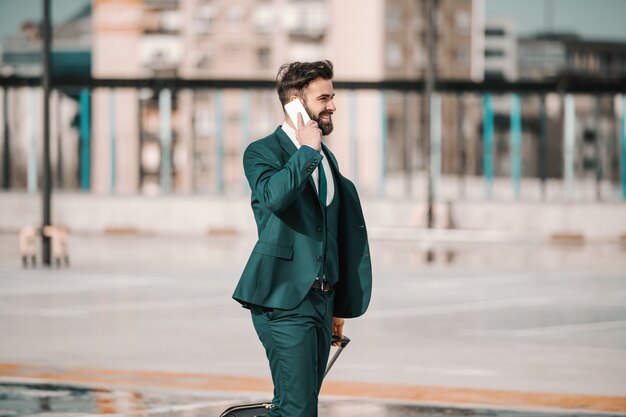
338 329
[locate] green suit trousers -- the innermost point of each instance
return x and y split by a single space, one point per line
297 345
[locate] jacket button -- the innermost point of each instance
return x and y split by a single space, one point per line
319 228
319 259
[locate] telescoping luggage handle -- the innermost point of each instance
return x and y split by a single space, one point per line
343 343
261 409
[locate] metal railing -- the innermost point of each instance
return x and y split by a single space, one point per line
492 154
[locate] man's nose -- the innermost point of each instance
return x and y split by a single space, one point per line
331 106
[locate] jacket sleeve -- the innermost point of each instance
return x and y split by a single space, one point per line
275 185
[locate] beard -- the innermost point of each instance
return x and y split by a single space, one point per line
324 120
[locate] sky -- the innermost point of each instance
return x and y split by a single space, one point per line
593 19
14 12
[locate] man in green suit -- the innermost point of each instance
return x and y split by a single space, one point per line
310 267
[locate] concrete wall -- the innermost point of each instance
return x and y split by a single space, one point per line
395 219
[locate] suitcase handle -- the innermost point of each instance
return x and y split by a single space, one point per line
344 341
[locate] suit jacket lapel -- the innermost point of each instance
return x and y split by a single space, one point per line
288 146
284 141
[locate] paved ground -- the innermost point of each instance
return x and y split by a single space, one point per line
55 400
501 324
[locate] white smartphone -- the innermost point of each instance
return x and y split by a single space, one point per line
293 108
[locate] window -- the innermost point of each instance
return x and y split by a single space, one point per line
234 50
394 55
418 23
204 20
203 59
160 51
394 19
462 21
264 19
235 17
495 32
307 19
170 21
264 56
307 51
419 56
462 57
494 53
494 75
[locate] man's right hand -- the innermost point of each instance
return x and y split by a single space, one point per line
309 134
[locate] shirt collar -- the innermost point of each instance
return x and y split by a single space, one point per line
291 132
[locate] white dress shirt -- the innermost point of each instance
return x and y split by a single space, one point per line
330 184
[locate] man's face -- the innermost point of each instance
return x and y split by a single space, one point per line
318 102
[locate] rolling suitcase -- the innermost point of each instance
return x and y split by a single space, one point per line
261 409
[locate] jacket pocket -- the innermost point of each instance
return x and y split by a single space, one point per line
272 249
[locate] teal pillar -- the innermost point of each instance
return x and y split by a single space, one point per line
597 147
488 144
59 137
569 142
165 136
383 144
31 179
461 143
245 129
112 140
6 153
85 139
407 163
542 151
435 142
516 144
219 140
623 147
354 143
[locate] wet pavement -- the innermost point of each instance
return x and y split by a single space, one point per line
48 400
453 329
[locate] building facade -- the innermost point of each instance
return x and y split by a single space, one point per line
237 39
559 54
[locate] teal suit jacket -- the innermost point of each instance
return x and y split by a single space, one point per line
286 258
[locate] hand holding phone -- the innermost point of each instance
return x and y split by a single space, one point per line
293 108
307 131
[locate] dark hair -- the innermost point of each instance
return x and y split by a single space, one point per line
293 78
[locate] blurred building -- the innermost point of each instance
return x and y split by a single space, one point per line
71 54
458 33
20 55
459 42
207 131
564 55
546 57
558 54
191 141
